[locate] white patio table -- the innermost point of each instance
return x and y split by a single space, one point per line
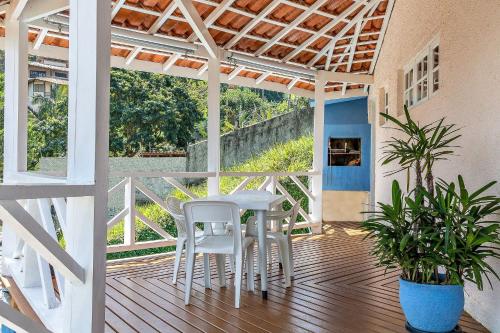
260 202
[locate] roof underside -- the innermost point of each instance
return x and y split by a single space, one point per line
332 35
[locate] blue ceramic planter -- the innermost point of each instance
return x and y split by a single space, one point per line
431 308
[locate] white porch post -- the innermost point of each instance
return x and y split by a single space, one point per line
88 121
317 180
213 126
16 110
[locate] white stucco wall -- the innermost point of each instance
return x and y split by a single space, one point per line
469 96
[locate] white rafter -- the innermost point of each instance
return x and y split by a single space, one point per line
203 69
262 77
16 9
39 38
388 11
131 56
354 41
213 16
235 72
116 8
344 30
327 27
250 25
292 83
191 14
283 32
171 61
162 18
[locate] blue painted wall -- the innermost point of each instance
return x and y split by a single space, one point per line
347 118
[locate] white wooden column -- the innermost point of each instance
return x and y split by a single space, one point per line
16 111
318 147
213 126
88 121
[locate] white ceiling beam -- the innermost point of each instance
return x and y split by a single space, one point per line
16 9
37 9
191 14
235 72
203 69
250 25
283 32
388 12
344 88
213 16
162 18
262 77
354 42
40 38
170 62
348 77
292 83
116 8
131 56
330 25
342 32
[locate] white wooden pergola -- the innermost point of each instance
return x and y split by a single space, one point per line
80 198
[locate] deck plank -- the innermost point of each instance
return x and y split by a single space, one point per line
337 288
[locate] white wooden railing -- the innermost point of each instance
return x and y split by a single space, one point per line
131 185
30 244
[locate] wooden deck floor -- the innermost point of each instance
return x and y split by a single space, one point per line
337 288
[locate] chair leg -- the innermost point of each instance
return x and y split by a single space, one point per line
231 263
178 254
220 259
249 266
292 263
286 261
206 271
238 276
269 254
189 276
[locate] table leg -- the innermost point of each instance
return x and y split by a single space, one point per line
261 223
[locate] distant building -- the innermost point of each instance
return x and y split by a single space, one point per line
44 76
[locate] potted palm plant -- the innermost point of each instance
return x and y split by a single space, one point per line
439 234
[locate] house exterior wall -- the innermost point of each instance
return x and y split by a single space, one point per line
468 96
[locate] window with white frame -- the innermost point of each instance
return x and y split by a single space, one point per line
421 75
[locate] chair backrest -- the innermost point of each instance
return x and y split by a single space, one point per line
212 213
174 208
279 216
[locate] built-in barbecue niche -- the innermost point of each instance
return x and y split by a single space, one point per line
344 151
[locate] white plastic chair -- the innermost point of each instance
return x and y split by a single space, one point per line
174 208
217 213
283 241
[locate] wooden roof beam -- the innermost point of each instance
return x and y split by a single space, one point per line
235 72
250 25
330 26
37 9
342 32
388 11
162 18
191 14
283 32
16 9
171 61
348 77
213 16
40 38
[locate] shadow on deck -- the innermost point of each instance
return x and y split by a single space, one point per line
337 288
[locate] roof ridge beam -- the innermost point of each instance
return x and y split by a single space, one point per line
191 14
36 9
329 26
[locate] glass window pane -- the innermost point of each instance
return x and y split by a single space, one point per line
435 54
424 88
435 81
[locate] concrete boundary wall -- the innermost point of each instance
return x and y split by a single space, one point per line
242 144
